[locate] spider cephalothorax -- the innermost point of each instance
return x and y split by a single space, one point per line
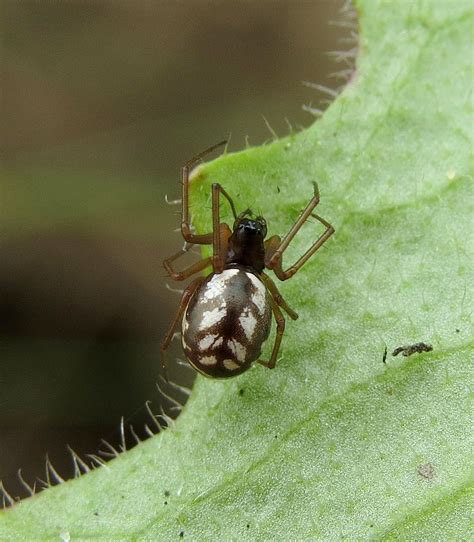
226 317
246 245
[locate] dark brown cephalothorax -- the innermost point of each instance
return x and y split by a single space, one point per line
225 317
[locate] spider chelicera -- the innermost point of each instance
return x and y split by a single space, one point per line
225 317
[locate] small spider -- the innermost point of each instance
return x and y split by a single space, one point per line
226 317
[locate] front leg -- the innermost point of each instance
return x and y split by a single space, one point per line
275 247
220 231
188 235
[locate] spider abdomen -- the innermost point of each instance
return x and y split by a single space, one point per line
226 322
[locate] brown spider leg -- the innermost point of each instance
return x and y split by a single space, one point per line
188 271
219 239
221 232
271 245
185 218
187 294
194 268
274 256
280 322
271 286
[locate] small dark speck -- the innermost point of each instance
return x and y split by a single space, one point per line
166 502
241 392
276 436
167 493
412 349
248 525
181 534
426 471
458 330
384 357
278 189
371 525
96 513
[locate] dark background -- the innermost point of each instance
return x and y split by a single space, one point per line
101 103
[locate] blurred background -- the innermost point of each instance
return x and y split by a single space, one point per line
101 103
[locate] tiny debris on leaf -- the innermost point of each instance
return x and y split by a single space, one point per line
412 349
426 471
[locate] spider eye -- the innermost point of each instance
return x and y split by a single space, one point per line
263 223
239 219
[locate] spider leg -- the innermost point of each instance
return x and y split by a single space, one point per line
187 272
280 322
187 294
218 238
275 247
271 286
220 231
185 215
271 245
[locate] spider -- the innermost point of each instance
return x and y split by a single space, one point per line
225 317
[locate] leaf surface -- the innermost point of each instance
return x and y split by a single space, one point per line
333 443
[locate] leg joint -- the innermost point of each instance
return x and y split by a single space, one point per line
280 321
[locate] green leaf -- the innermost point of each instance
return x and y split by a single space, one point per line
333 443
